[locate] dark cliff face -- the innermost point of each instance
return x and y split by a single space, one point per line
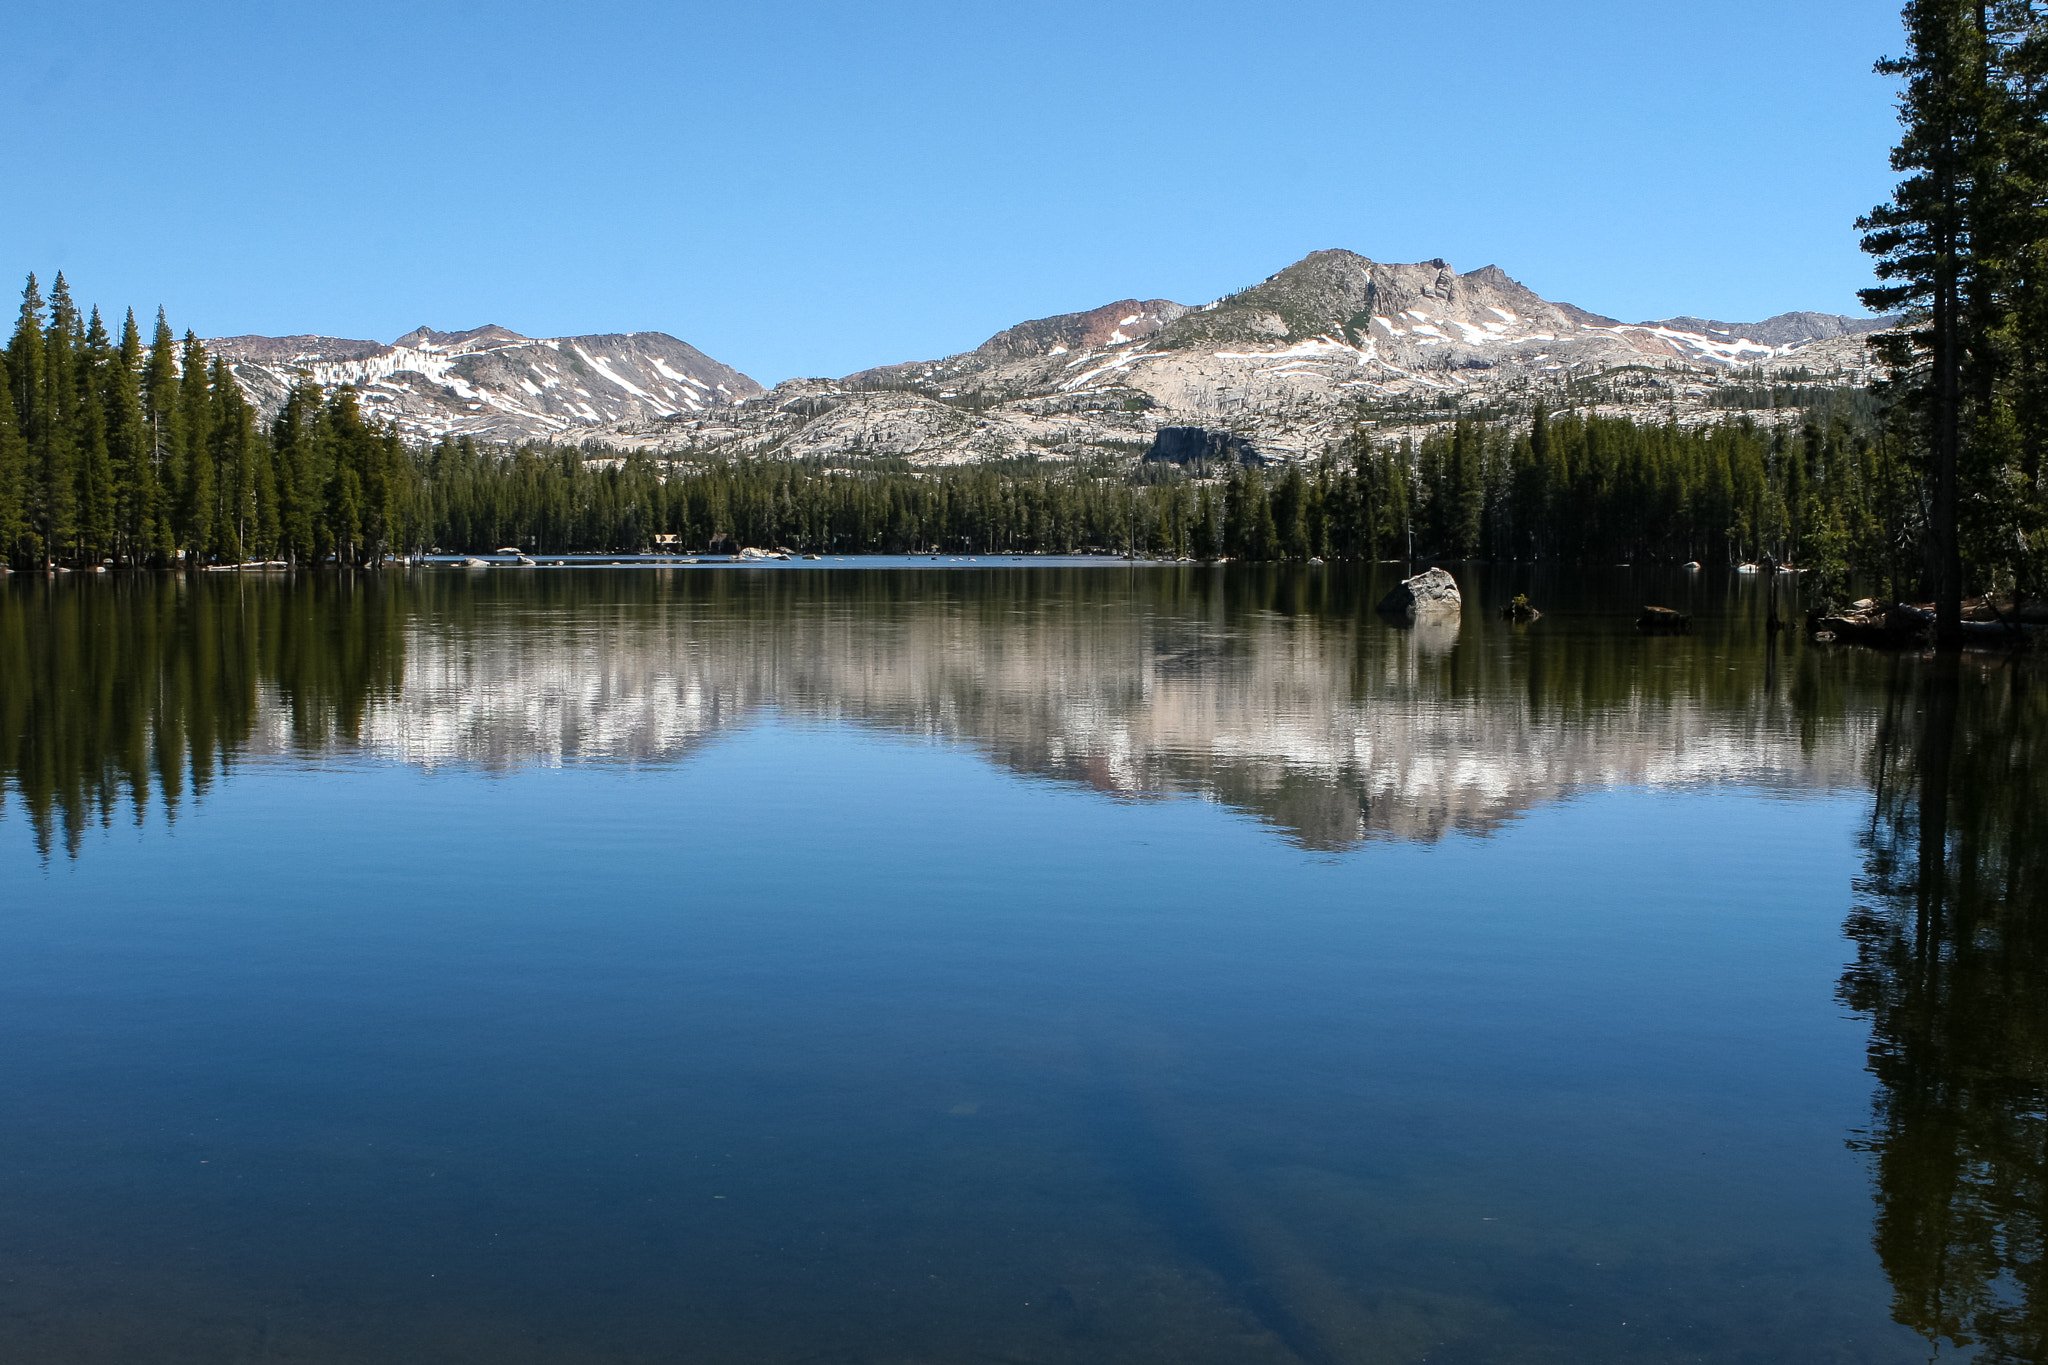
1189 445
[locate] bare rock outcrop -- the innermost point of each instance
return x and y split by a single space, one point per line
1433 593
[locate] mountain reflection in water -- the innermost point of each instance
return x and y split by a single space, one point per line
1276 692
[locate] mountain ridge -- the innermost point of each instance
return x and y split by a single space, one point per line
493 383
1285 365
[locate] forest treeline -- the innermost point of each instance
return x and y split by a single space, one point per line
116 452
1559 488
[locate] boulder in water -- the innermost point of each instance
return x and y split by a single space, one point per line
1433 591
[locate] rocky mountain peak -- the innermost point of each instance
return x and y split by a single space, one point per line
1113 324
1786 329
424 337
1336 294
293 349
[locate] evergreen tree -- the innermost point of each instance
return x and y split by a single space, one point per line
97 493
129 449
1923 240
1289 511
197 515
54 455
26 365
166 439
13 474
234 457
299 484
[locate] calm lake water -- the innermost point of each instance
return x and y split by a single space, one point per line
1019 963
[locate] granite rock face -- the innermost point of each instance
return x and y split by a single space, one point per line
1433 592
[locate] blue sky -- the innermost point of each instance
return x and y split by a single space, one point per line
803 188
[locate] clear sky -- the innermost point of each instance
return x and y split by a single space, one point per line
808 188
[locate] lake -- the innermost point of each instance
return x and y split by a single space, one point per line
942 962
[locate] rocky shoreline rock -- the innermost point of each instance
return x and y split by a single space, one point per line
1431 592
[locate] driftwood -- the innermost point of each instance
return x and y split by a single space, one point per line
1979 631
1905 625
1866 623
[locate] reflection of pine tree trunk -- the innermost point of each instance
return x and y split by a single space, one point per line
1952 969
1937 743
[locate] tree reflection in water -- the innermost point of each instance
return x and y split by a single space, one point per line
1951 933
161 682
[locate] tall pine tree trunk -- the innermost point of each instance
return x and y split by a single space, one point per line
1945 558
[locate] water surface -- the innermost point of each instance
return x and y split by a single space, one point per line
1034 963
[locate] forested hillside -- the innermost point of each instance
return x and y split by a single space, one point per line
116 453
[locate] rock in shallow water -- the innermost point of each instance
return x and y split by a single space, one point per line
1430 591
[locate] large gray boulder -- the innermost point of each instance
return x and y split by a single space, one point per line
1430 593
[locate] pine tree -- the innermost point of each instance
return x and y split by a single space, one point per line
196 511
56 459
13 473
1289 511
129 448
97 494
299 490
351 502
235 455
26 366
1923 242
166 439
1467 489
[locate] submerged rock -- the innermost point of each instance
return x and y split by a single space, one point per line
1429 592
1663 621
